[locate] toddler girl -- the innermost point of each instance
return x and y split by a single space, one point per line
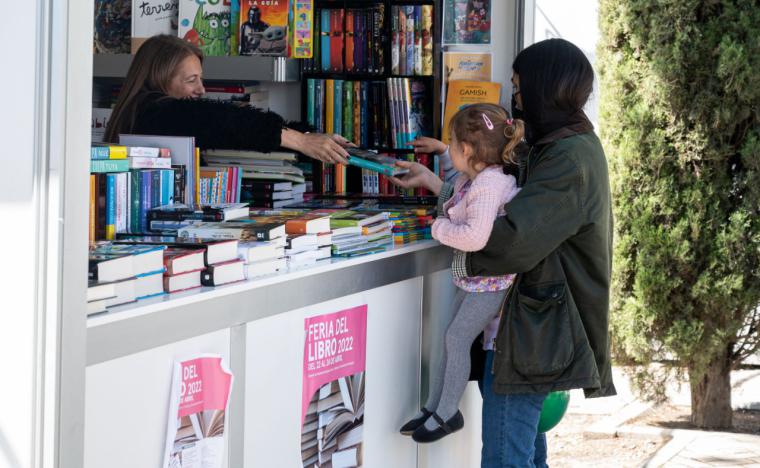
483 139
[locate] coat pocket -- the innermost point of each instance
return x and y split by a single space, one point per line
540 333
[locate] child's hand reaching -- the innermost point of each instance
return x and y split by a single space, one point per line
423 144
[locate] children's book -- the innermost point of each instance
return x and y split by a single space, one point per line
207 25
467 22
152 17
301 41
463 93
113 23
263 27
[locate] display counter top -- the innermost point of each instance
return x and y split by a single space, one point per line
152 322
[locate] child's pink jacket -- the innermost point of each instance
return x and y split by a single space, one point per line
467 225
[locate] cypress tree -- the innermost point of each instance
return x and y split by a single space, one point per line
680 121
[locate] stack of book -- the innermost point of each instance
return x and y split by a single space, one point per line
263 257
356 233
168 219
98 295
309 239
271 194
278 166
121 263
125 183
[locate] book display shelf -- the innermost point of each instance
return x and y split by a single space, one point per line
366 81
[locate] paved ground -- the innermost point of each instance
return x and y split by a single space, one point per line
685 448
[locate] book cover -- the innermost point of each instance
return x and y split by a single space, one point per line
198 407
182 281
462 93
467 22
223 273
178 260
420 117
263 27
333 396
402 32
418 40
207 25
302 29
471 66
427 39
113 25
394 41
152 17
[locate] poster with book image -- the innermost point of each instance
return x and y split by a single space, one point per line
152 17
472 66
198 406
263 27
332 406
207 25
467 22
462 93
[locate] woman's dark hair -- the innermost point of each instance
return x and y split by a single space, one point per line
151 71
556 80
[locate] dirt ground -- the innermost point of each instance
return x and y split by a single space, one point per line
568 447
677 417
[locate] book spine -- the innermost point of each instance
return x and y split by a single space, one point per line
371 165
338 107
135 187
325 39
357 112
348 110
349 41
380 38
149 162
357 40
369 39
417 40
109 165
102 191
427 39
394 40
402 40
310 85
145 200
120 190
99 152
395 136
409 39
155 188
407 106
93 207
167 186
364 103
179 183
329 105
143 151
110 206
319 105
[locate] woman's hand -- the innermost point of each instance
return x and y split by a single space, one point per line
418 176
321 146
423 144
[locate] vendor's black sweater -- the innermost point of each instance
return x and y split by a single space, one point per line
214 124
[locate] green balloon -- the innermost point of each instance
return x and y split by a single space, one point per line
555 406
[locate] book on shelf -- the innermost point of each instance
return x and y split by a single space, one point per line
267 267
96 307
241 230
182 281
207 25
263 27
223 273
359 219
297 243
215 212
149 285
150 18
179 260
308 223
214 250
302 259
242 156
108 152
98 290
145 259
259 251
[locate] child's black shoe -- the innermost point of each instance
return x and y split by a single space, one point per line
423 435
413 424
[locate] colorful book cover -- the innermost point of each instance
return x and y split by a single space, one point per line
418 40
198 408
113 25
467 22
409 70
462 93
302 29
207 25
394 41
471 66
333 395
378 38
263 27
152 17
420 116
402 40
234 22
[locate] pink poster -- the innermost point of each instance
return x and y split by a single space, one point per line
332 416
197 413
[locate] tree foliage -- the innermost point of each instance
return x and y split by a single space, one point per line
680 122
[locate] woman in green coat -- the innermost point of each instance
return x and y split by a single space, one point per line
556 236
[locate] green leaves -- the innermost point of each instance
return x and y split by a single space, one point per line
680 121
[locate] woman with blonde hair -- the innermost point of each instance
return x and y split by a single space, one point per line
163 95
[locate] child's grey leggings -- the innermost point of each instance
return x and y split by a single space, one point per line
474 310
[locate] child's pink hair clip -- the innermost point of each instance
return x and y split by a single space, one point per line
488 122
510 122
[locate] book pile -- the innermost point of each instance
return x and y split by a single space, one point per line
332 433
256 165
357 233
136 271
125 183
271 194
309 239
167 220
263 258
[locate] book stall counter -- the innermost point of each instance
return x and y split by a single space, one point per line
262 328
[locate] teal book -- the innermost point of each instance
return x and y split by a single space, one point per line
310 90
348 110
338 107
379 167
109 165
